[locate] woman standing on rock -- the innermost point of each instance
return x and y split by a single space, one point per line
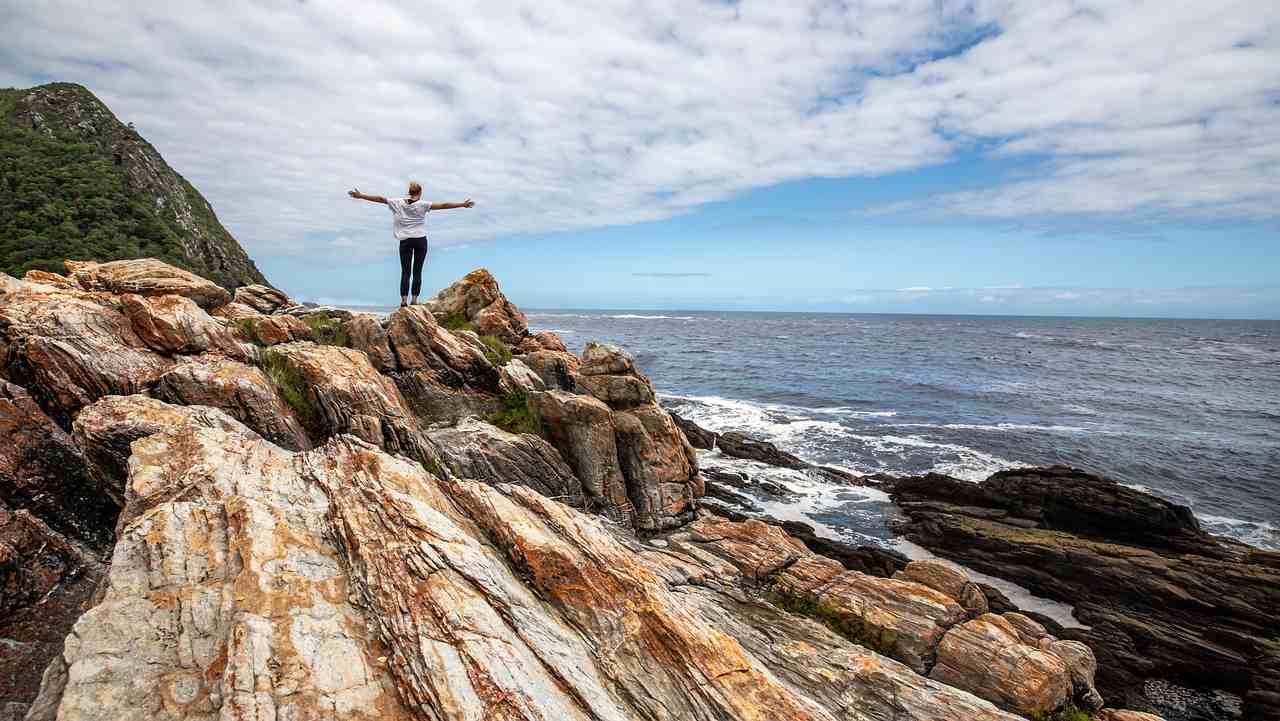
409 223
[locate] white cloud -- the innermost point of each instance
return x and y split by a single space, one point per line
568 115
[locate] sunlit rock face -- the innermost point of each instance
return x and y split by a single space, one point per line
313 513
344 582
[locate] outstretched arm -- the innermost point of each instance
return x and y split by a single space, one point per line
468 203
355 193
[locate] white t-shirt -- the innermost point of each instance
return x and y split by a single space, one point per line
409 218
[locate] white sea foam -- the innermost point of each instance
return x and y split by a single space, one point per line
970 464
1258 534
632 316
996 427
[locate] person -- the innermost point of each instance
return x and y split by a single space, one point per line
408 220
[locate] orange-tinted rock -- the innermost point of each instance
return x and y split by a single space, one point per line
344 393
986 657
659 467
557 369
949 579
243 391
69 351
261 298
365 332
106 429
581 428
477 300
148 277
44 277
173 324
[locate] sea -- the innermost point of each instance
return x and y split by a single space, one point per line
1188 410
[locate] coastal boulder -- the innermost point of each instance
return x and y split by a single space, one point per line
224 597
900 619
337 390
1082 666
243 391
54 280
658 465
740 445
477 301
557 369
147 277
542 340
479 450
608 372
173 324
364 332
516 376
444 376
985 656
949 579
697 436
105 430
582 429
264 330
69 351
262 298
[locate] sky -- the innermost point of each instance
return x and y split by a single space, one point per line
1073 157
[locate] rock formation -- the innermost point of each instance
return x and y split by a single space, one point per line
1161 598
329 524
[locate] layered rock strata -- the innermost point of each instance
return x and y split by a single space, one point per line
346 583
323 523
1161 598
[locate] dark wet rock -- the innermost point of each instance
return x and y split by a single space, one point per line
871 560
46 582
1163 599
43 471
996 600
698 436
739 445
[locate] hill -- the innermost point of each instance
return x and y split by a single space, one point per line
77 183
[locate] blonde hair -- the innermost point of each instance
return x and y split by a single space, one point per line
414 188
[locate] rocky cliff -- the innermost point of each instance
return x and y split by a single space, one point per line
235 506
78 183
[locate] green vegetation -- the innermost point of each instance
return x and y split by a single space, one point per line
325 329
101 193
517 414
1070 712
880 640
497 353
292 387
456 321
246 330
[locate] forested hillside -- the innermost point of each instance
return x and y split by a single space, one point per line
78 183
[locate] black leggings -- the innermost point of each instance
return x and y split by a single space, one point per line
412 250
